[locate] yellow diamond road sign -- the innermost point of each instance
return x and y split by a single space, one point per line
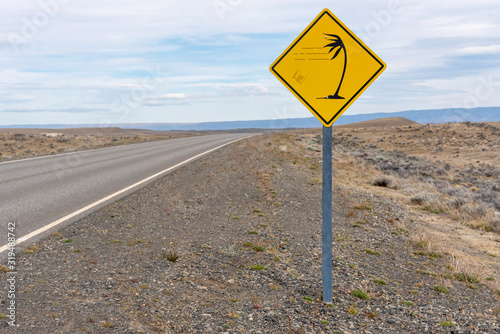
327 67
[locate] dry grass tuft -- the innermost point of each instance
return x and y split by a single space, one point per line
32 249
464 269
422 242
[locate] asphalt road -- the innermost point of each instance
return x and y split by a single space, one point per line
37 192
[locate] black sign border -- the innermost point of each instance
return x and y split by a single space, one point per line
382 67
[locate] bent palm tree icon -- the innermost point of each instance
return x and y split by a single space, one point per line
338 45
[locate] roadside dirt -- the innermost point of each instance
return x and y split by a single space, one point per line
379 123
245 223
28 143
467 154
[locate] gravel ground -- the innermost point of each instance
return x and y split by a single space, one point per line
245 223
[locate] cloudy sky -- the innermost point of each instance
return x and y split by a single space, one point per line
129 61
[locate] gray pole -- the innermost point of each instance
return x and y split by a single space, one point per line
327 215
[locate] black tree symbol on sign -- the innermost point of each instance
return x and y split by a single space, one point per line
337 45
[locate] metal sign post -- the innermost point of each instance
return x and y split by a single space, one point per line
327 215
327 68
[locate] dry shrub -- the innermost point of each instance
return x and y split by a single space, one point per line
424 198
400 226
408 188
457 203
386 182
475 210
460 265
490 222
18 137
495 222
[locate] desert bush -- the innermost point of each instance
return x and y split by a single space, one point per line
403 173
494 222
407 188
386 182
442 186
440 171
457 203
458 192
475 210
424 198
19 137
488 197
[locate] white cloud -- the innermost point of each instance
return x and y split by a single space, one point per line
481 50
165 99
472 29
186 58
178 96
238 90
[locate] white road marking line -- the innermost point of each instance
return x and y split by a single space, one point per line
90 206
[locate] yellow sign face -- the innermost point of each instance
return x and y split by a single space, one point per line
327 67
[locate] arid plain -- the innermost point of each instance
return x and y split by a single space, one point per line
232 242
